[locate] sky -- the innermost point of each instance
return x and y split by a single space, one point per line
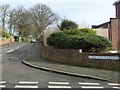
83 12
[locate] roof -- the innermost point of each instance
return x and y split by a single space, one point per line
103 25
118 1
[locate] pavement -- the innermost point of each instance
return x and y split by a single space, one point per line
37 61
7 45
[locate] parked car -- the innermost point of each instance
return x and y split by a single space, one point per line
33 41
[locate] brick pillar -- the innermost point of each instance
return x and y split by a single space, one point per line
119 34
115 32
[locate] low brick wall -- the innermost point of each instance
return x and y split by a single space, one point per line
6 41
73 57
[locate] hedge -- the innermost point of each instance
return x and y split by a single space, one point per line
88 42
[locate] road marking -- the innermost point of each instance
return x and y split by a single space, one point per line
116 84
18 47
91 87
26 82
2 86
13 49
58 82
21 86
10 50
59 87
0 55
116 87
23 45
2 81
83 83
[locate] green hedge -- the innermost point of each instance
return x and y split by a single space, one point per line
5 34
79 39
25 40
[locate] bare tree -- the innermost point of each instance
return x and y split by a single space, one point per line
42 17
3 14
12 21
22 21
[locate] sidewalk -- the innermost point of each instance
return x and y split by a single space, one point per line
7 45
34 59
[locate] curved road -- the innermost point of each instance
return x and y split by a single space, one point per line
16 74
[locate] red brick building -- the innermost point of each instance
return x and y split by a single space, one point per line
117 7
113 27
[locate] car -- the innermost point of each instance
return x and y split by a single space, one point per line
33 41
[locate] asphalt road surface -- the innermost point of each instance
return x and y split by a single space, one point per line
14 74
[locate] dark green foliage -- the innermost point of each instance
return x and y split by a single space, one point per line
83 39
68 25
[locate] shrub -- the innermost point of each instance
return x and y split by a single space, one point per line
25 40
5 34
87 31
79 39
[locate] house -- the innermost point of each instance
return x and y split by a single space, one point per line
102 29
111 29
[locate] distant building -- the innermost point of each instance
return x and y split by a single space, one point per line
111 29
102 29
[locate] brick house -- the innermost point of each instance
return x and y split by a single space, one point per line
113 28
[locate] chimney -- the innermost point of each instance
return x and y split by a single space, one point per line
117 7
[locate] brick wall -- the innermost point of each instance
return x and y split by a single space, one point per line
6 41
115 33
73 57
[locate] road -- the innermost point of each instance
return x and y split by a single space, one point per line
17 75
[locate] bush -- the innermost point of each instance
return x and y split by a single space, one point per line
25 40
79 39
5 34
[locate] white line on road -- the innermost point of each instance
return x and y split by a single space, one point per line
2 81
116 87
10 50
15 48
2 86
91 87
0 55
26 82
116 84
83 83
23 45
18 47
21 86
58 82
59 87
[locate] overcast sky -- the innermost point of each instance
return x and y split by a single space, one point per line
88 12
